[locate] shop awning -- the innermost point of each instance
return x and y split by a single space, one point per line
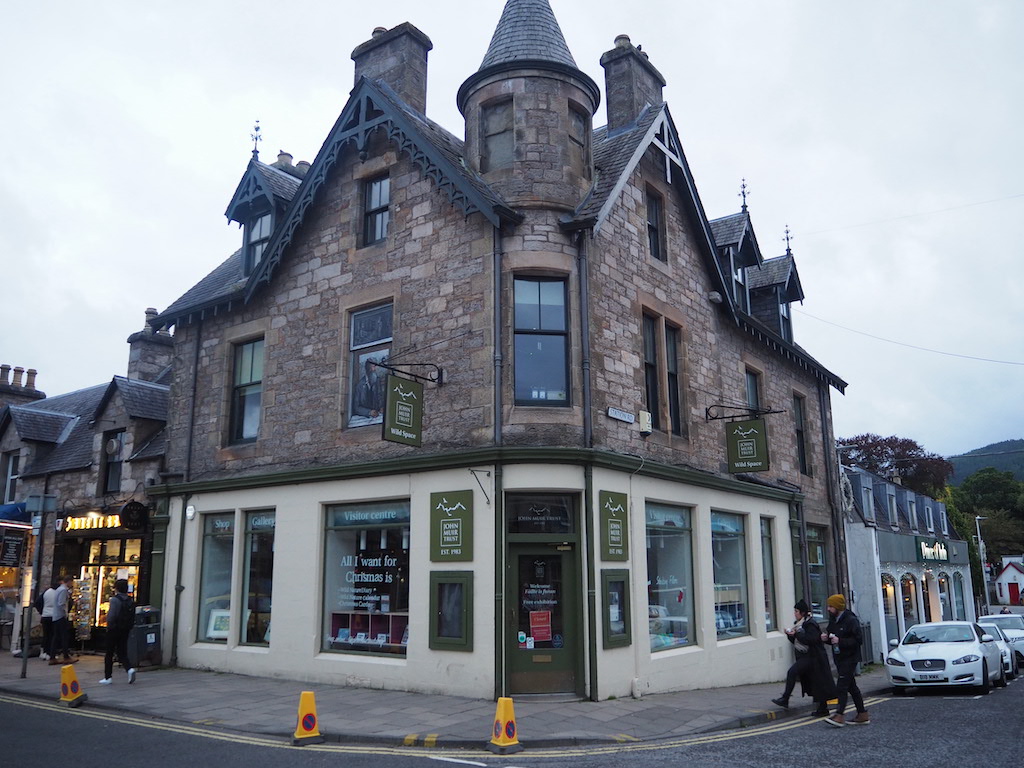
14 513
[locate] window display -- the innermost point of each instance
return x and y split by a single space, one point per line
215 581
728 550
366 578
259 576
669 576
768 568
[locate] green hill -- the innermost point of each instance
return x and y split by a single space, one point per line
1007 456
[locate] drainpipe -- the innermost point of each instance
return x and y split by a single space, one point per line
831 477
583 268
591 554
497 335
178 586
500 555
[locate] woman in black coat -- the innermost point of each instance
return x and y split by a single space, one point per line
811 666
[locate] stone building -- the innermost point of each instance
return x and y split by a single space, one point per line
95 453
454 416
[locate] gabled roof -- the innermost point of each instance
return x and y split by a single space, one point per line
1011 565
260 182
35 426
527 31
141 399
75 450
780 271
737 231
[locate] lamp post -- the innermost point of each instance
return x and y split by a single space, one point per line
38 505
981 557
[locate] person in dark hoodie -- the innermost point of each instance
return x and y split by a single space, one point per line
844 635
811 665
120 618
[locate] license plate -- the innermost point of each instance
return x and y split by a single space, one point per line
929 677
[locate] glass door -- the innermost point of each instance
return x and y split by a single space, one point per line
543 638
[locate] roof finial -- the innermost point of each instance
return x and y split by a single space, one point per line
788 238
743 194
256 139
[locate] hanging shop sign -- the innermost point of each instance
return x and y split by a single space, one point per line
403 411
614 516
929 550
747 446
134 515
10 550
451 526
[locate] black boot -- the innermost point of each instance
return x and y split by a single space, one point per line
782 701
821 711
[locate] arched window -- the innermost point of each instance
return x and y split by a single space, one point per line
892 624
945 597
908 598
958 596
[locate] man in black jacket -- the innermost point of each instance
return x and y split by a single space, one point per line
844 635
120 618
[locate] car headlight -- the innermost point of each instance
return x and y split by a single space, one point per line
892 661
967 659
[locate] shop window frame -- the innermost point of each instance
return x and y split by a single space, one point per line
463 642
611 638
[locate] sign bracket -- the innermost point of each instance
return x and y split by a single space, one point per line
437 377
718 412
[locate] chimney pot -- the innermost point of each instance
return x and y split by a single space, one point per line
378 31
284 159
621 41
302 167
30 378
17 376
5 372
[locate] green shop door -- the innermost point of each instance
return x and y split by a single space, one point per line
543 642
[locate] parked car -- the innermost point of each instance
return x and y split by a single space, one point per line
1006 649
945 653
1012 625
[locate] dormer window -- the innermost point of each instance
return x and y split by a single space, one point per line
739 281
256 239
786 321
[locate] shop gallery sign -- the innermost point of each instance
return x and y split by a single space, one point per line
403 411
451 526
614 517
747 446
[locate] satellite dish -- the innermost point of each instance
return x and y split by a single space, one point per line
113 446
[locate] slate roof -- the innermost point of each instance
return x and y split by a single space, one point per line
76 450
39 426
141 399
778 271
225 283
612 155
729 230
153 449
527 31
281 183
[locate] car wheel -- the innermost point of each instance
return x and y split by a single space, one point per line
1001 680
986 683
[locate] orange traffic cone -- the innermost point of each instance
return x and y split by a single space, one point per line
307 729
71 694
505 740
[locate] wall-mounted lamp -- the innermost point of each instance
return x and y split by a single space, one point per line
190 512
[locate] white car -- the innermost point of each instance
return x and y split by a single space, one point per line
1006 650
1012 625
941 653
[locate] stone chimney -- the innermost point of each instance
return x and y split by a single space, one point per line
631 83
399 58
150 352
302 168
13 392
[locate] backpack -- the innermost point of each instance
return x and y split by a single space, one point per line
126 615
39 603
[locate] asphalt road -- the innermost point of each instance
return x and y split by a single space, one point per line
934 729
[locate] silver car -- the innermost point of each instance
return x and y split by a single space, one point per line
1012 625
945 653
1006 649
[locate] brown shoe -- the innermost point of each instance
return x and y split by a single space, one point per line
837 720
862 718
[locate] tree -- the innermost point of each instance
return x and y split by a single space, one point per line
901 457
989 490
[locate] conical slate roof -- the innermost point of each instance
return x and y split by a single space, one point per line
527 31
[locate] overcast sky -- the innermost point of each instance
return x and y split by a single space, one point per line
885 134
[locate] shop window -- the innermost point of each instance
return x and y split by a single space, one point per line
247 391
541 342
10 476
670 609
945 598
616 621
771 618
366 578
215 578
113 461
548 515
655 205
728 549
451 610
892 627
376 209
370 345
259 576
497 136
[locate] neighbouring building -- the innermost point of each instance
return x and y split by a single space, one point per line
1009 581
455 415
908 565
95 453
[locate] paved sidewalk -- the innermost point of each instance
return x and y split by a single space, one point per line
269 707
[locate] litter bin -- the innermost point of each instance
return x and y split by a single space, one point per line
144 637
